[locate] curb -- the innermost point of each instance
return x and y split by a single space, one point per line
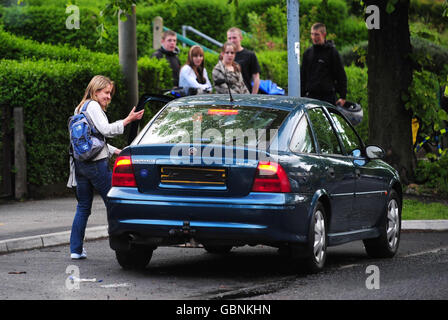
49 240
100 232
424 225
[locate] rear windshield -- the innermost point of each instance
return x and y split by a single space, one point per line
215 125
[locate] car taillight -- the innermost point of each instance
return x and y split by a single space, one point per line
271 177
123 174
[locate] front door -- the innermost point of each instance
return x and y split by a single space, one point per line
338 179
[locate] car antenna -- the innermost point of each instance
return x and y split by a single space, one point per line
228 87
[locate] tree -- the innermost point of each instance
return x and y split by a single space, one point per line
389 77
127 43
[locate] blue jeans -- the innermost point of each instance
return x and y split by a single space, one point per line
90 176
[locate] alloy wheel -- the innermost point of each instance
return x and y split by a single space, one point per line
393 223
319 236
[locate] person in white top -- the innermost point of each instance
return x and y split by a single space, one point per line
94 174
193 75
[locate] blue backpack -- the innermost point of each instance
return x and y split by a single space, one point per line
85 140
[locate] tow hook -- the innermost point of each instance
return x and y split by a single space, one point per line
184 231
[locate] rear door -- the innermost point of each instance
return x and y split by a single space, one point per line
338 175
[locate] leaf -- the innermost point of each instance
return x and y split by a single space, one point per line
391 6
442 115
123 17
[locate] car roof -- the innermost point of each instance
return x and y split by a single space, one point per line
272 101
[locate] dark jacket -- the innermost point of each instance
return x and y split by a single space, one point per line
322 72
173 60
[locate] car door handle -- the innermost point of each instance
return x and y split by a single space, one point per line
331 172
357 174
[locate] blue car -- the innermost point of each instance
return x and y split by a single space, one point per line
221 172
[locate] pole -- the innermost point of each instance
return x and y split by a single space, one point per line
157 30
127 52
19 154
293 48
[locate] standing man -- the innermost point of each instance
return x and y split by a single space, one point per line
170 52
246 59
322 73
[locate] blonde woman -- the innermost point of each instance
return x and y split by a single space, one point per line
94 174
227 73
193 74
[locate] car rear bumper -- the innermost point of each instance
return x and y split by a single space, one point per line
258 218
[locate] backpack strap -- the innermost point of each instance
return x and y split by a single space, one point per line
84 107
89 120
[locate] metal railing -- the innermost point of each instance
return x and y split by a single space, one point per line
199 33
190 42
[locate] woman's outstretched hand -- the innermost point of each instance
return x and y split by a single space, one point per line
132 116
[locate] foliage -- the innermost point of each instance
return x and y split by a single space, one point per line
49 91
434 175
425 54
52 88
273 66
19 48
46 24
357 92
424 101
429 11
212 17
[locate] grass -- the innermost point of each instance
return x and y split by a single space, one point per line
417 210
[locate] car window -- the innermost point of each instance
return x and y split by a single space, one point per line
214 124
302 139
348 136
325 135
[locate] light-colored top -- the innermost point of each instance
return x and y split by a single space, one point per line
108 130
101 123
187 79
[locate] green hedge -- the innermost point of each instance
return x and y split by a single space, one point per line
49 81
49 91
152 72
212 17
19 48
46 24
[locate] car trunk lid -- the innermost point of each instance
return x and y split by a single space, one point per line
195 170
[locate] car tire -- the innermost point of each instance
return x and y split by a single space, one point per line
386 245
137 257
217 249
312 255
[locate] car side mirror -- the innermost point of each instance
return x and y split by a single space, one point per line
375 152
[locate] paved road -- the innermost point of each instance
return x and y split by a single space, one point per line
418 272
